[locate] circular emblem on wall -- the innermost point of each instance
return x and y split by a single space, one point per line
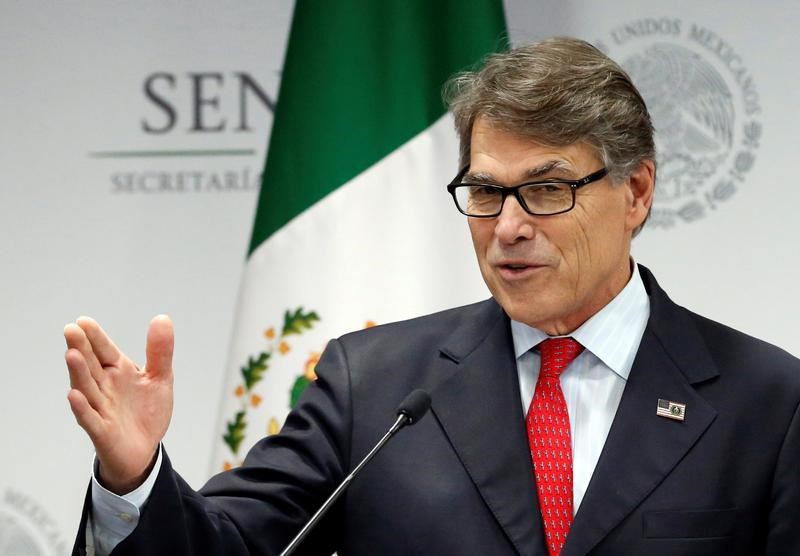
26 529
705 109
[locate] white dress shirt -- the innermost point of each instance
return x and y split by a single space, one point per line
592 386
594 381
115 517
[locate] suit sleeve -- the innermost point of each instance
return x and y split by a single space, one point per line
259 507
784 517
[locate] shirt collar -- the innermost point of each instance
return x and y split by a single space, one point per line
612 334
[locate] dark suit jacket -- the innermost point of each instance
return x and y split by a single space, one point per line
724 481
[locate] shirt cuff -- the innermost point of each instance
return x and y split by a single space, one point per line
115 517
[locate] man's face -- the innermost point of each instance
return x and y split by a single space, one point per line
554 272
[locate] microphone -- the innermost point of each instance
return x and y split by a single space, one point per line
412 409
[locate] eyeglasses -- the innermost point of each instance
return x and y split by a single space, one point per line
539 198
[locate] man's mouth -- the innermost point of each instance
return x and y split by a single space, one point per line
517 269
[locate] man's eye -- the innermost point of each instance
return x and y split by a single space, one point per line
482 191
546 189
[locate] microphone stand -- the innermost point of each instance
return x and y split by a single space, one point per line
402 420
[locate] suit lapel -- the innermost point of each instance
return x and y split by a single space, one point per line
479 408
642 448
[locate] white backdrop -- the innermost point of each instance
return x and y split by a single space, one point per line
88 231
73 84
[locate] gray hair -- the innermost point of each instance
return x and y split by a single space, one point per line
558 91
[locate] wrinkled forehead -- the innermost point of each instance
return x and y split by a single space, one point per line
552 168
498 154
485 124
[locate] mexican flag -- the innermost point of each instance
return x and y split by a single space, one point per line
354 226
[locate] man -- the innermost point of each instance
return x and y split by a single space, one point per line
579 411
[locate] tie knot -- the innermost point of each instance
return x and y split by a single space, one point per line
557 353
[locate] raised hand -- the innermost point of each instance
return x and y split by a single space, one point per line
125 410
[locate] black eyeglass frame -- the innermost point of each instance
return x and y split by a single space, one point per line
514 190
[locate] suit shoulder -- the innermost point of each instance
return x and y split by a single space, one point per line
403 355
419 340
695 340
733 348
433 327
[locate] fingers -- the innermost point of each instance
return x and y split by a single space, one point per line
85 414
105 350
76 339
160 344
82 380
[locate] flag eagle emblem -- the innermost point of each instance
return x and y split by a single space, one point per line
671 410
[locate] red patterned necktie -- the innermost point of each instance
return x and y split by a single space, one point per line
550 441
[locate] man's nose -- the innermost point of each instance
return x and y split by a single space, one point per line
513 223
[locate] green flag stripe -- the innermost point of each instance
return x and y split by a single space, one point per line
360 78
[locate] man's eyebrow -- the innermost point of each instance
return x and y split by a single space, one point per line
547 169
550 167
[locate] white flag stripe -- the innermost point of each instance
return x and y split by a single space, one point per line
363 254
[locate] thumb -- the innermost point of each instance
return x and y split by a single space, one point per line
160 343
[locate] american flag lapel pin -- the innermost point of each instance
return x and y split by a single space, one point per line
671 410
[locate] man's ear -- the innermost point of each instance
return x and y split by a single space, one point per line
641 184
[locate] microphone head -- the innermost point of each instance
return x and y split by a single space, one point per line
415 406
